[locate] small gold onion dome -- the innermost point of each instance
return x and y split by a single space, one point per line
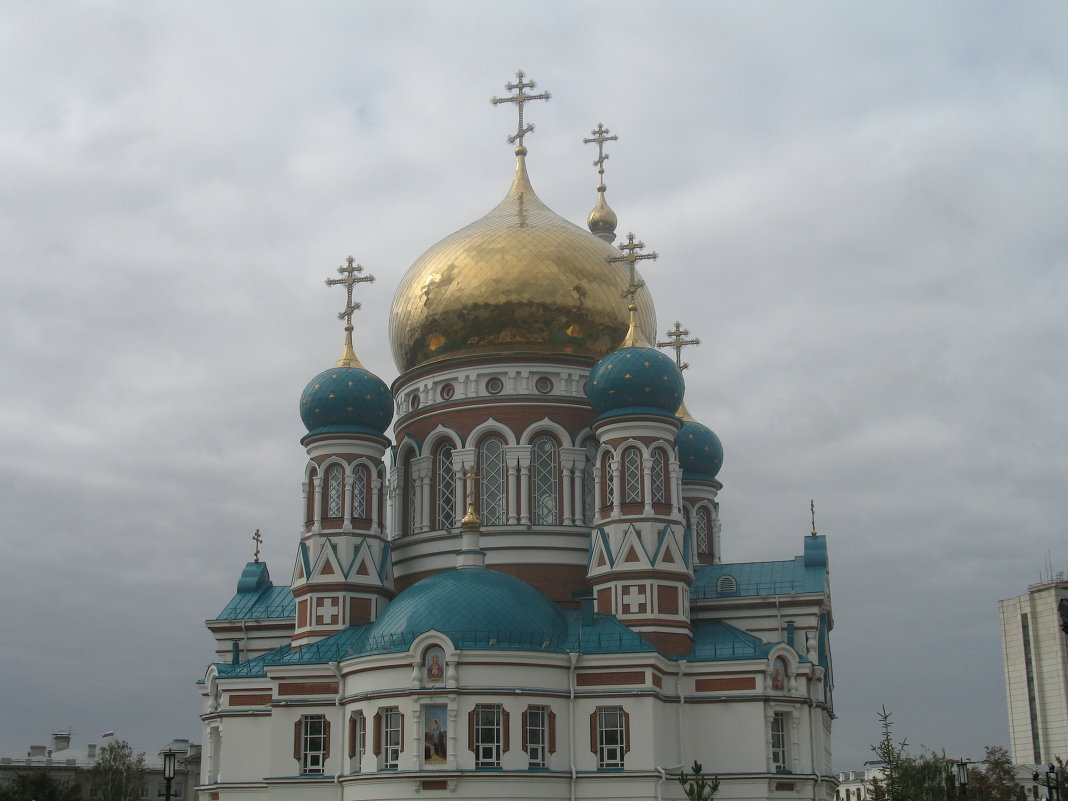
602 219
520 280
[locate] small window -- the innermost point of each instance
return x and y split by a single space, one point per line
779 753
726 584
389 734
659 477
357 740
704 533
543 473
486 734
611 735
536 735
335 502
313 741
360 485
632 476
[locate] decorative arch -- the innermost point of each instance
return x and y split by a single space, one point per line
544 426
439 435
490 426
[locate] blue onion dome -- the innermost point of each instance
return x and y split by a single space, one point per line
473 606
636 379
347 398
700 452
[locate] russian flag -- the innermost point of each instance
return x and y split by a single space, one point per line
108 734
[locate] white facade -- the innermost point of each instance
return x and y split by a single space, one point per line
1035 649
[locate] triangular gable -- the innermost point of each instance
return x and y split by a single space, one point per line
631 551
600 552
326 564
363 564
301 567
668 551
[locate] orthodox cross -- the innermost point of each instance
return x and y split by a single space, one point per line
678 343
469 493
519 99
600 136
258 539
631 255
349 280
812 508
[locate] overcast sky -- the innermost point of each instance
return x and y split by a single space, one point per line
860 208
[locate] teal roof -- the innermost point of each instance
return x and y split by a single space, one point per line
700 452
639 379
802 574
257 597
716 641
473 606
346 399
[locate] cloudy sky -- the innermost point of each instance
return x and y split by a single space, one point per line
859 208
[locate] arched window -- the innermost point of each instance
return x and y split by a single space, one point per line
361 485
632 476
543 473
589 489
491 484
659 477
608 480
335 497
726 584
445 484
704 532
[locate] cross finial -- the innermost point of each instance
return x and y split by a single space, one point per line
471 520
257 539
631 255
600 136
812 509
678 343
519 99
349 280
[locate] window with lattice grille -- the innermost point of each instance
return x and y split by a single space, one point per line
543 473
609 480
659 477
361 482
704 532
487 735
536 735
446 488
491 484
611 736
632 476
314 737
335 481
779 751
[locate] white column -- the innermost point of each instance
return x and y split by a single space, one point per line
647 485
512 459
462 460
421 476
617 493
524 486
318 483
567 517
376 492
347 507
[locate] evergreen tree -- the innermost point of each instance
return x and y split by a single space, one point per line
118 773
40 786
697 787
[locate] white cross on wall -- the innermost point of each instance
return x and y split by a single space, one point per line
326 614
633 599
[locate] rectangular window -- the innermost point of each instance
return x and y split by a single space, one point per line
313 745
536 732
391 737
779 755
176 790
487 722
357 741
611 736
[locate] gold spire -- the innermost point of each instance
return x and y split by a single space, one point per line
350 279
602 220
519 99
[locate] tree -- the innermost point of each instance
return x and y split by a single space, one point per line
40 786
697 787
997 780
118 773
888 787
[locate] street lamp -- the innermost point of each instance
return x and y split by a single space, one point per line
1051 782
962 778
170 761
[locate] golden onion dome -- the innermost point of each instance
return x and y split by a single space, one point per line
602 219
520 280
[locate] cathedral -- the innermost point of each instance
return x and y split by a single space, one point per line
519 592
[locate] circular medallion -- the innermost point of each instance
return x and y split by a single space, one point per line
494 386
414 402
447 391
544 385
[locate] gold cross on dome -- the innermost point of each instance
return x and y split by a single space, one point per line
257 539
349 280
631 255
600 136
678 343
519 99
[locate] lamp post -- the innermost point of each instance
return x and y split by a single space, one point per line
170 761
962 779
